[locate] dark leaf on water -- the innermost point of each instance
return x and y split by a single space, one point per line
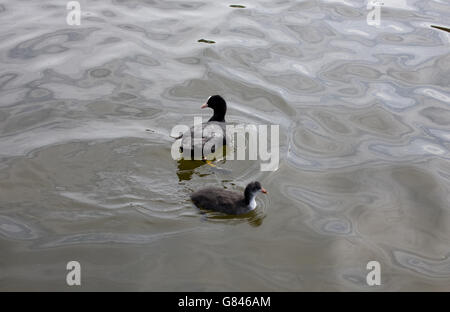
441 28
206 41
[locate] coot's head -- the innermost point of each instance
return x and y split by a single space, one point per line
252 189
218 104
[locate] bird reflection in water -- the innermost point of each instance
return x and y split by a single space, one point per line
253 218
186 167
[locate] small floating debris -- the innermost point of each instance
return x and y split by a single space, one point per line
441 28
238 6
206 41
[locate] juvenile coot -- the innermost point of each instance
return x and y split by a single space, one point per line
229 202
214 138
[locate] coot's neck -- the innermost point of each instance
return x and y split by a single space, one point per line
250 199
252 204
219 114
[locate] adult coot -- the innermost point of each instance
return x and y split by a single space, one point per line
215 137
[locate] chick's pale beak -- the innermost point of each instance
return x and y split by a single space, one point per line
263 190
204 105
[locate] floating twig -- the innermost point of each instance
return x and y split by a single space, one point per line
206 41
441 28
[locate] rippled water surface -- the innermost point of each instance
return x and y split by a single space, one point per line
85 166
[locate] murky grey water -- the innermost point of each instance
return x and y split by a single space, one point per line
85 166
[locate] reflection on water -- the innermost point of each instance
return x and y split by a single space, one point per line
253 217
186 168
86 171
